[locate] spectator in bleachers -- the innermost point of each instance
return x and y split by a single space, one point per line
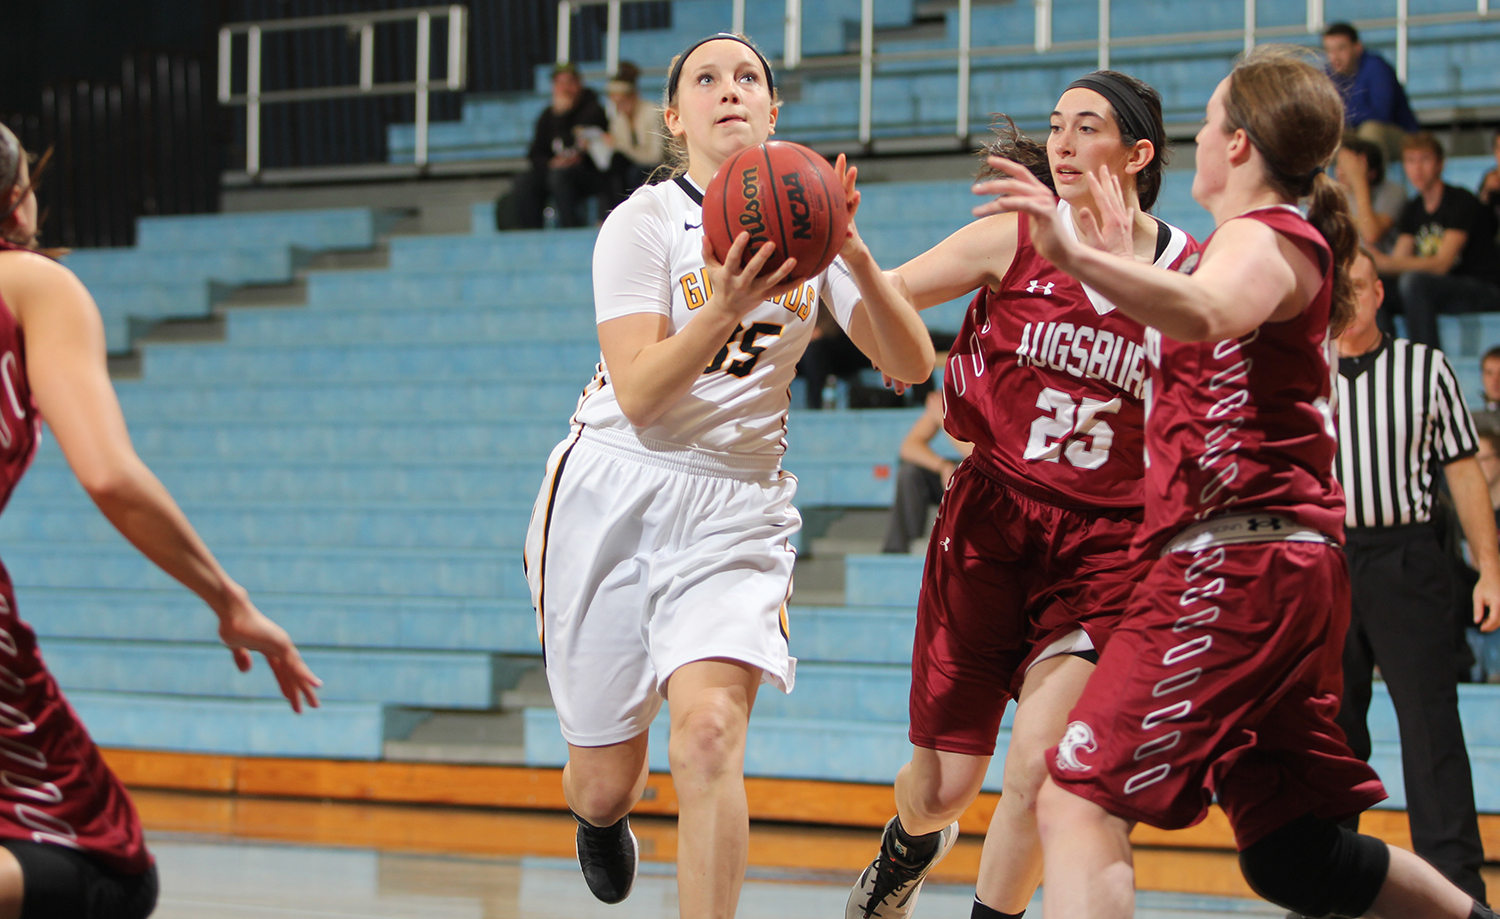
1489 186
1374 202
1375 104
1445 253
829 354
1489 373
561 170
635 135
922 476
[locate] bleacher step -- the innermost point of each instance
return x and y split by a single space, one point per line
493 738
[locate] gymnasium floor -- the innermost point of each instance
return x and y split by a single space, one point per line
236 858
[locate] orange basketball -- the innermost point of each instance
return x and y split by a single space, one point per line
783 193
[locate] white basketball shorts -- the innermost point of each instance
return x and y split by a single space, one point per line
641 560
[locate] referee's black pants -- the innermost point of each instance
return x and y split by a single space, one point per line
1402 589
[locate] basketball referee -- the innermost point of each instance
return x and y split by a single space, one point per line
1400 415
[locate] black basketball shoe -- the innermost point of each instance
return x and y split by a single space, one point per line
608 856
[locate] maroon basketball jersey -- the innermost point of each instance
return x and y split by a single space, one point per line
54 786
1246 424
1046 380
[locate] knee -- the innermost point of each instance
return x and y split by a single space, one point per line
1025 769
600 798
910 478
1415 287
938 796
1057 807
1317 868
709 739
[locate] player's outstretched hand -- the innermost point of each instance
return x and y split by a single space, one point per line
1018 191
244 629
1109 226
737 281
853 244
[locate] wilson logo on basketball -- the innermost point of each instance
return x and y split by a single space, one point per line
797 200
751 219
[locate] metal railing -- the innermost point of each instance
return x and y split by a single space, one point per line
1103 45
364 25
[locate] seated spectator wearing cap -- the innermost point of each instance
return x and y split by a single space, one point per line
560 171
1375 105
1445 253
635 134
1489 186
1374 202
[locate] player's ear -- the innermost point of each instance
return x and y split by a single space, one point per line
1141 155
775 111
673 121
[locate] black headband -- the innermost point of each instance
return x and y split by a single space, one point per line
721 36
1131 113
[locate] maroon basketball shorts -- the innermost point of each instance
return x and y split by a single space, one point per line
1223 680
1006 574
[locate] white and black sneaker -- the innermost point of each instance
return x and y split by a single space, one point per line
888 889
608 857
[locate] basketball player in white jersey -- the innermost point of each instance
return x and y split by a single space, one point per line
658 552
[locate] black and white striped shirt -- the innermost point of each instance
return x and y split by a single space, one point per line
1400 413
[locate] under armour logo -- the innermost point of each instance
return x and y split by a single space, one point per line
1269 523
1078 737
1037 287
944 542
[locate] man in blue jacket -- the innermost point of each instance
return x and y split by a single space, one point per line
1375 104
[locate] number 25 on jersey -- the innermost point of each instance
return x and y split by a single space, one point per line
1071 428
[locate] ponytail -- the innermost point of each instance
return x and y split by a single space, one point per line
1293 114
1329 212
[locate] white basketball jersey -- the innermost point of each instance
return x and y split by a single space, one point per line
649 259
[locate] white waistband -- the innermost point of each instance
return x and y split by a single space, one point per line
751 466
1234 529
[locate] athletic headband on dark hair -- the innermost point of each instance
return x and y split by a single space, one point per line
1132 114
729 36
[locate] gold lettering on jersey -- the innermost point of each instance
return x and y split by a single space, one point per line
799 301
1084 352
697 289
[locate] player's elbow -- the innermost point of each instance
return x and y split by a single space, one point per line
913 364
640 412
1193 328
109 485
107 468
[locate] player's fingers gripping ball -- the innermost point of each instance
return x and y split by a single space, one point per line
781 193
